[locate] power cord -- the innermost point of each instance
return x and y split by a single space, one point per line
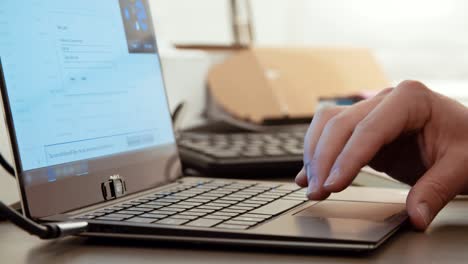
44 231
6 166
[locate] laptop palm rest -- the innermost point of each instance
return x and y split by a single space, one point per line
340 220
377 212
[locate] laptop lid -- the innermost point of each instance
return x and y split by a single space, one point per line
84 100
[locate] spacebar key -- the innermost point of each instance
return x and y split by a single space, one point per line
276 207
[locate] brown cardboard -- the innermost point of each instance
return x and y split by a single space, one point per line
275 83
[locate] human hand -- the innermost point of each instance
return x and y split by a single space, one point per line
411 133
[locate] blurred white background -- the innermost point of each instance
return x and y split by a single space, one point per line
417 39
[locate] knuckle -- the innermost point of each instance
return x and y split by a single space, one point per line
416 97
362 127
336 122
385 91
413 87
440 191
326 113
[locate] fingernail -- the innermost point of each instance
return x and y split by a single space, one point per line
299 174
312 180
425 213
335 174
313 186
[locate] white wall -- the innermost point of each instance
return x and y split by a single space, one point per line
422 39
192 21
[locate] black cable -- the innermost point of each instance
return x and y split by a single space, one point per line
23 222
46 231
8 168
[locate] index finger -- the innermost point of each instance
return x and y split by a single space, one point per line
406 109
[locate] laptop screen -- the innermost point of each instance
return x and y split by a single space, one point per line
85 99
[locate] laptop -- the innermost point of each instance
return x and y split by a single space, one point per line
92 140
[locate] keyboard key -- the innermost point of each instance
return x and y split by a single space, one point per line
110 218
221 213
252 192
267 185
295 198
174 209
258 216
143 200
276 207
221 191
202 210
154 196
250 205
154 216
274 152
245 208
181 206
117 215
172 221
264 199
187 194
189 203
233 227
242 223
270 195
234 211
131 203
204 222
163 212
193 213
218 217
186 217
151 206
157 203
225 201
216 204
240 195
117 208
197 200
230 198
165 200
139 209
248 219
252 201
140 220
206 198
127 212
210 207
289 187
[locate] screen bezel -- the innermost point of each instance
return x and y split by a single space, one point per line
17 157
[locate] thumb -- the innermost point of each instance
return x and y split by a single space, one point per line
437 187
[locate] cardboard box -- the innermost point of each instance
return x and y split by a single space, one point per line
261 84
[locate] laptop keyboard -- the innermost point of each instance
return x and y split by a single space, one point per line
207 204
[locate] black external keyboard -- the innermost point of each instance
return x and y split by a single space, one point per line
208 204
242 154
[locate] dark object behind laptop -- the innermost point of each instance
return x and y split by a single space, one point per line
242 155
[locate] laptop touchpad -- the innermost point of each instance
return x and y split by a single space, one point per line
377 212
